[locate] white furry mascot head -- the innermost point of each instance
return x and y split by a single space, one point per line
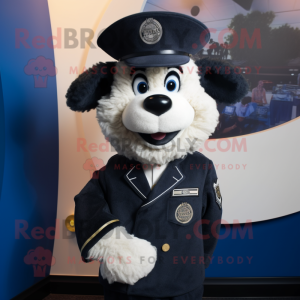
155 115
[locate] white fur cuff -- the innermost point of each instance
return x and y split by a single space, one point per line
124 258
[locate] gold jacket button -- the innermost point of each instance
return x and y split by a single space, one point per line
165 247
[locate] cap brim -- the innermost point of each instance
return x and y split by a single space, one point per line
159 60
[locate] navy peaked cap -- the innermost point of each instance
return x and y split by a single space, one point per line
154 39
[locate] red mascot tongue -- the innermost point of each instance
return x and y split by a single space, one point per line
158 136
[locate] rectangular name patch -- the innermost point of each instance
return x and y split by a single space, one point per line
185 192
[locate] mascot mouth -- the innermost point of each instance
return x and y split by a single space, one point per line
159 138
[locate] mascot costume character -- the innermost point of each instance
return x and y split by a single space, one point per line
152 215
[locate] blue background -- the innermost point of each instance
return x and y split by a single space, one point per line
29 144
274 248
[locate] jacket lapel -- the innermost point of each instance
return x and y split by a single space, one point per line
170 178
137 180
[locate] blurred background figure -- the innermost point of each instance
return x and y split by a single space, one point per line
221 51
259 94
225 51
211 47
244 108
234 121
200 53
216 48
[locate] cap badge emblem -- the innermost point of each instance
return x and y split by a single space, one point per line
151 31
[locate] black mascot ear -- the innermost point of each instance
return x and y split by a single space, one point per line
85 91
222 81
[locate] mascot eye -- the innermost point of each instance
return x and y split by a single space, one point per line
140 85
172 83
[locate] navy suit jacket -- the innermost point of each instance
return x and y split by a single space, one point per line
119 195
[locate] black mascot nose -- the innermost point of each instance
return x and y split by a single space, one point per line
157 104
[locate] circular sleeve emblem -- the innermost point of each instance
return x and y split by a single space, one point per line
184 213
151 31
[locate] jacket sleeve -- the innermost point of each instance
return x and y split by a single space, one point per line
212 213
93 218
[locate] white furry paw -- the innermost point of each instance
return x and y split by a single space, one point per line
124 257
